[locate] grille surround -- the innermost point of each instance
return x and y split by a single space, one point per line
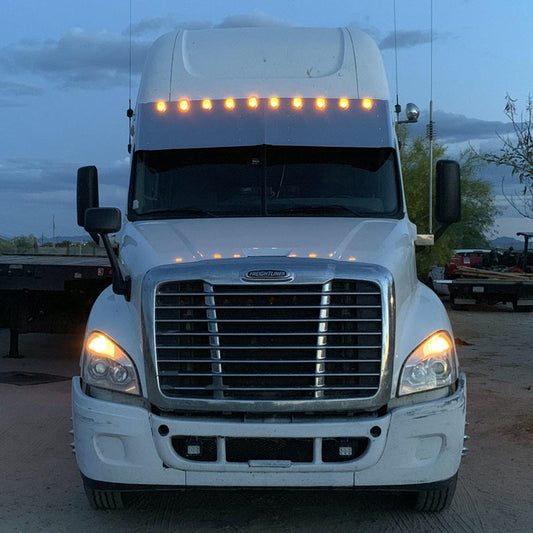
227 372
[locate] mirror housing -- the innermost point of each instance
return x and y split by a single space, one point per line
448 201
86 191
103 220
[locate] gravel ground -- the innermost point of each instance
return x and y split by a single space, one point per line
41 489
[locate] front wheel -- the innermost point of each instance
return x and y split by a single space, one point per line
103 500
522 308
435 500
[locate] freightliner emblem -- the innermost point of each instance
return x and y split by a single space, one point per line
267 275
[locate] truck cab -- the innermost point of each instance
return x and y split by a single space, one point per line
265 326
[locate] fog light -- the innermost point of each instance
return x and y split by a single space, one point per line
345 451
194 449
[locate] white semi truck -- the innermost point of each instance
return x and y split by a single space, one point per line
265 326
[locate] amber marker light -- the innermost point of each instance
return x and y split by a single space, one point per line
236 256
161 106
344 103
179 259
217 256
184 105
253 102
229 103
273 102
297 103
320 104
367 103
100 344
436 344
312 255
207 105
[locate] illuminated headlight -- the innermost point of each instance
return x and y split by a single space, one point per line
430 366
106 365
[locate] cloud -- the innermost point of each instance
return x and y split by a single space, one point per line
454 128
84 60
78 59
250 20
8 88
38 189
406 39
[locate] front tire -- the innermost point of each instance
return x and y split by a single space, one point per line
436 500
103 500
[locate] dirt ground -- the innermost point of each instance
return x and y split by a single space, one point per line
41 491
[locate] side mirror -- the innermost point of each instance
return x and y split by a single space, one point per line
103 220
86 192
448 201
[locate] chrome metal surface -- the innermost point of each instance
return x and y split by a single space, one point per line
319 342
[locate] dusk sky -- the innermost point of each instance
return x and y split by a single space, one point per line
64 83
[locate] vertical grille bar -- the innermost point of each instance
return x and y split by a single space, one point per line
322 340
214 341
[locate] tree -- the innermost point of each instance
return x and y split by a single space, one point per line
516 153
478 210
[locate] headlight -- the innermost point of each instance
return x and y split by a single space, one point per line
431 365
106 365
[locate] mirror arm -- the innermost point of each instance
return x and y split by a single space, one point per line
121 285
440 232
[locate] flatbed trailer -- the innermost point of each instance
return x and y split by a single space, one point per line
48 293
471 291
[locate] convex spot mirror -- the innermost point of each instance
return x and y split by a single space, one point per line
103 220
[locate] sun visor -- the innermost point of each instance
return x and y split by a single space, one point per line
196 124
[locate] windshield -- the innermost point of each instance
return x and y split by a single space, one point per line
265 181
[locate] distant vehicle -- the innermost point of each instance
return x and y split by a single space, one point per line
476 276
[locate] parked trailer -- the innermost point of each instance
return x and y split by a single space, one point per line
48 294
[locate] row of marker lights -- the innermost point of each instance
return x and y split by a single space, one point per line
237 256
321 104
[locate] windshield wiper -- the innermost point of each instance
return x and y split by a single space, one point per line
315 210
185 213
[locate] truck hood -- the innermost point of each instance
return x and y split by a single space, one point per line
386 242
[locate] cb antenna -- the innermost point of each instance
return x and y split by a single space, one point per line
129 112
430 127
397 107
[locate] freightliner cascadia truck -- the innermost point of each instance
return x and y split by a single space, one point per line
265 326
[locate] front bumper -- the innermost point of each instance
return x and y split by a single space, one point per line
127 445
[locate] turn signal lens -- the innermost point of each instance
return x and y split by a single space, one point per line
161 106
367 103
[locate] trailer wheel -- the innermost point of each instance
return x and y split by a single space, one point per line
457 307
522 308
102 500
436 500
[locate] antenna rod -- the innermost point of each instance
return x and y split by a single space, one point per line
430 129
129 112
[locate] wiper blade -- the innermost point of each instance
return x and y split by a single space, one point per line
186 213
315 210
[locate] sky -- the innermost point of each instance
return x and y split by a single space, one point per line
64 84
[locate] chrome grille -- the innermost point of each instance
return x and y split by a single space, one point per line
269 342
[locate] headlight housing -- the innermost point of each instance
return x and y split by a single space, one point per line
106 364
433 364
